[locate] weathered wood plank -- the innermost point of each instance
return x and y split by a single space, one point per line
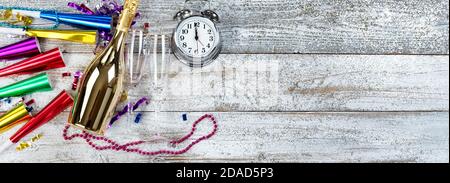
303 26
265 137
287 83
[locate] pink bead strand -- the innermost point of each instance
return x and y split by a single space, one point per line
113 145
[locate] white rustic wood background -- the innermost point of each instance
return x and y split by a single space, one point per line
298 81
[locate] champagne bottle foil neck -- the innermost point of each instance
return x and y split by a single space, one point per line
127 15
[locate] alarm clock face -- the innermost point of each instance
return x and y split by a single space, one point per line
196 41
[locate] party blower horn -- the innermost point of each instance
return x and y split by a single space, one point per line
99 22
51 59
36 83
20 113
25 48
80 36
55 107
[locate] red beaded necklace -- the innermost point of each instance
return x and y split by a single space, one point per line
128 146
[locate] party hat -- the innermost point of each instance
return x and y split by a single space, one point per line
51 59
80 36
24 48
99 22
16 115
89 21
55 107
88 36
36 83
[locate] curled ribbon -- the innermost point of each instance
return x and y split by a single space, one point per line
107 8
7 15
127 108
82 8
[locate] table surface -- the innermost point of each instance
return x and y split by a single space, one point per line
297 81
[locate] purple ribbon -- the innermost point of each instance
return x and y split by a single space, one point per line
127 108
139 102
82 8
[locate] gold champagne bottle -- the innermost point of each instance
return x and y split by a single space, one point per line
102 82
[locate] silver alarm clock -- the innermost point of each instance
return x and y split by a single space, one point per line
196 40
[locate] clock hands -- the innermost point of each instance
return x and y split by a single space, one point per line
197 38
196 34
200 42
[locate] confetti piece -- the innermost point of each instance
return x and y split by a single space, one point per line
7 16
77 74
82 8
184 116
23 145
32 101
124 96
76 77
5 99
138 118
66 74
30 143
36 138
127 108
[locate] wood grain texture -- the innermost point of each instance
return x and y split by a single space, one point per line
272 103
286 83
304 26
264 137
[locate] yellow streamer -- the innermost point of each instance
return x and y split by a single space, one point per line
80 36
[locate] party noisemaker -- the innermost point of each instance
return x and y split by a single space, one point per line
51 59
99 22
36 83
25 48
20 113
80 36
55 107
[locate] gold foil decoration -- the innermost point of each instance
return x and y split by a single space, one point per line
27 144
127 15
7 16
23 145
37 137
124 96
80 36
